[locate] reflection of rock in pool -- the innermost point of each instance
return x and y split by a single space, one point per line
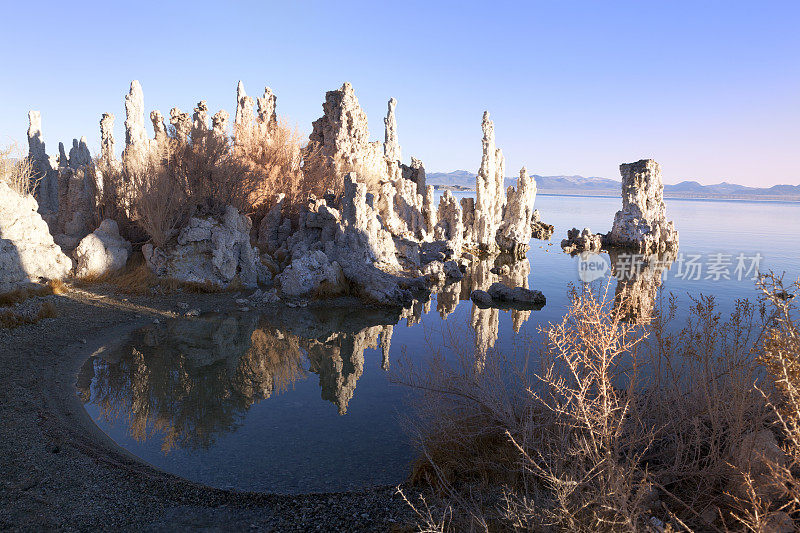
638 280
191 380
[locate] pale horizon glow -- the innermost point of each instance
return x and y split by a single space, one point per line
710 90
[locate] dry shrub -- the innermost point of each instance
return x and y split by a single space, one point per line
274 157
779 352
17 170
619 425
201 175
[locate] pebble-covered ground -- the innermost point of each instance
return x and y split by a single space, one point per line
58 471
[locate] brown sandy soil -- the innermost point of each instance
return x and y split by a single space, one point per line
59 471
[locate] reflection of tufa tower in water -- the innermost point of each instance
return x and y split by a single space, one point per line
638 280
339 361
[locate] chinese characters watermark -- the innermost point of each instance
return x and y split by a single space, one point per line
693 267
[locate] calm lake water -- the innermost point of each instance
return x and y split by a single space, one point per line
300 401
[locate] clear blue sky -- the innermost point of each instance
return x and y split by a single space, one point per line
709 89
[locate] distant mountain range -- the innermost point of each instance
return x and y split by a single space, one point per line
594 186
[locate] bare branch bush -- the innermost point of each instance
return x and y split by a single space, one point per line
16 169
602 425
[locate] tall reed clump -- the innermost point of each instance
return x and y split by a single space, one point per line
17 170
609 425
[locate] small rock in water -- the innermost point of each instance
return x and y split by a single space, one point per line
193 312
481 297
241 301
244 309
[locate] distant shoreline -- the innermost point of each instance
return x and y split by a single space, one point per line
667 196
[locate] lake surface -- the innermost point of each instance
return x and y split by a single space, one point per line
299 400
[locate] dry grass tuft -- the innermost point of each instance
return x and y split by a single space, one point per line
616 427
21 294
10 318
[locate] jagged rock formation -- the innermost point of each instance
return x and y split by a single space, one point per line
415 173
341 138
642 223
27 250
200 117
102 251
211 250
107 140
182 122
136 141
45 169
450 227
244 107
67 190
220 123
489 200
267 111
312 275
582 241
514 233
159 127
540 230
391 145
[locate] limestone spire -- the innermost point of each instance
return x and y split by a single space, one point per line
200 117
391 146
159 126
135 135
244 106
220 122
267 112
107 139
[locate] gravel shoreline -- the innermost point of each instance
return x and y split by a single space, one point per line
59 471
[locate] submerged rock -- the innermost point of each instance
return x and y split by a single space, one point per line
520 295
102 251
501 295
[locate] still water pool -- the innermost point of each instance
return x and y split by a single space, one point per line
299 400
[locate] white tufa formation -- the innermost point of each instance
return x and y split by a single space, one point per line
244 107
220 123
107 140
267 111
391 146
515 230
159 127
136 141
182 123
490 200
450 227
27 250
642 223
102 251
45 169
200 117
